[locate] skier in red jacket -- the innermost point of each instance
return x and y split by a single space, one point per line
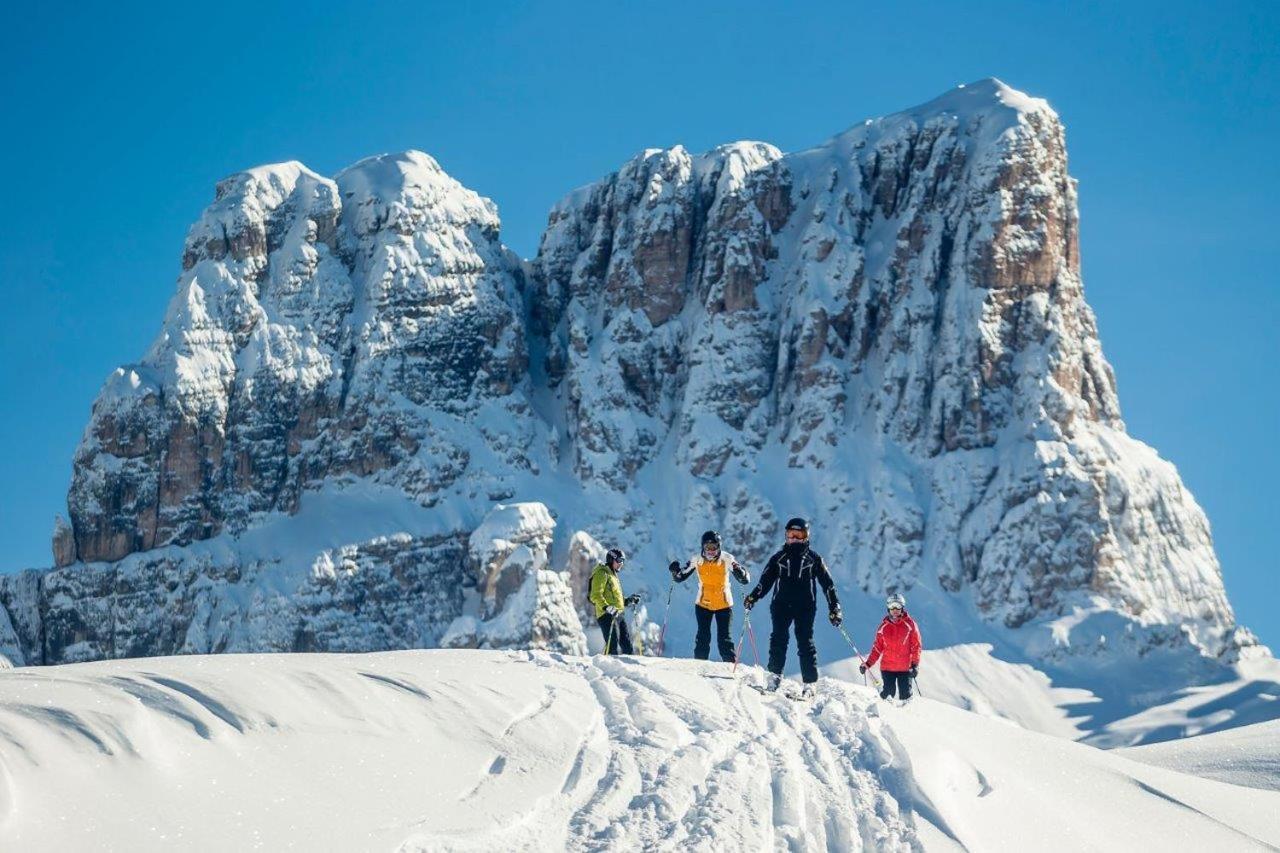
897 647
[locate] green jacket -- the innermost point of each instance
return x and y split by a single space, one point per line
606 589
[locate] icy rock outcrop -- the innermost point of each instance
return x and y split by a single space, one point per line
388 593
523 603
585 553
886 333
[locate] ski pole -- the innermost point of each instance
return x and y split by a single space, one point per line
613 626
742 635
662 635
849 640
754 648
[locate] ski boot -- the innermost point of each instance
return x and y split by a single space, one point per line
773 682
810 690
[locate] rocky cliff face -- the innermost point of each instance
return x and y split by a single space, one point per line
894 321
886 333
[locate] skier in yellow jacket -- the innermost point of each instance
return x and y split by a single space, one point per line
715 598
606 594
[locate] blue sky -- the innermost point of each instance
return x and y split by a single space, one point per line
119 120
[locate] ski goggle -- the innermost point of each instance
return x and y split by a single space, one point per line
895 608
797 535
710 550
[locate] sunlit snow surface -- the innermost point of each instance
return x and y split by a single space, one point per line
464 750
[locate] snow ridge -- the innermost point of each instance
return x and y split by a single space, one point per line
449 750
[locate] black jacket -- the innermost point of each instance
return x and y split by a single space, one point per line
797 571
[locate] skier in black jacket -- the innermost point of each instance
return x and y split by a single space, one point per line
794 573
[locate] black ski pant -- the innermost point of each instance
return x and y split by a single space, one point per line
900 681
702 643
785 617
617 637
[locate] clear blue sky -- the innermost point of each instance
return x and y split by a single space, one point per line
119 120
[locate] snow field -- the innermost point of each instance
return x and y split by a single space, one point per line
1248 755
470 750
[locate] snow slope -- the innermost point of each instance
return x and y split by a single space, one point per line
969 676
1249 755
974 677
467 750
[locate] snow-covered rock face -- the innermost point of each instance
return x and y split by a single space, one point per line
320 329
895 322
886 334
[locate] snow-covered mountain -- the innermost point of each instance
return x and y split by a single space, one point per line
462 750
367 425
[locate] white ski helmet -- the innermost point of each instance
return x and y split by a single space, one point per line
896 600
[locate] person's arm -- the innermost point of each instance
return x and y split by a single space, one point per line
917 645
740 574
613 594
678 574
596 592
827 584
767 579
876 648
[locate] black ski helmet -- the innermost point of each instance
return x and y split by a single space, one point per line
710 538
798 524
615 556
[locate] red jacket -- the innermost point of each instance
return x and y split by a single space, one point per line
897 645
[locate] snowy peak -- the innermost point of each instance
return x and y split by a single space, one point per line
989 96
988 121
234 225
303 303
406 192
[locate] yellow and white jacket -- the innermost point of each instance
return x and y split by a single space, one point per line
713 579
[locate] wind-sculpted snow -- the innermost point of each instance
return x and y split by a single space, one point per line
886 334
450 750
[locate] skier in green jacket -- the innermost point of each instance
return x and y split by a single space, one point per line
606 594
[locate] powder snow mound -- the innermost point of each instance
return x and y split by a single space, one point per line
451 750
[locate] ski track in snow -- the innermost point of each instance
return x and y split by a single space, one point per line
462 750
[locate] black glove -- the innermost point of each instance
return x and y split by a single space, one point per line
741 573
862 669
632 600
836 616
750 601
674 568
915 670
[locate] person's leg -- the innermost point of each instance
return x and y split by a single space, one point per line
889 680
609 633
904 686
778 639
804 646
623 636
702 642
724 630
